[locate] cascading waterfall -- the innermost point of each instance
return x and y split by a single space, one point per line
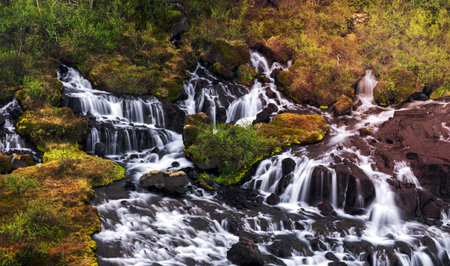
141 228
10 141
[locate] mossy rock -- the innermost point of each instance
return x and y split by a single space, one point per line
171 88
441 92
282 52
395 87
246 74
193 125
118 74
5 163
291 128
40 92
285 79
343 106
229 55
52 125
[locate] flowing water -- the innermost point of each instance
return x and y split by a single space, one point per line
141 228
10 141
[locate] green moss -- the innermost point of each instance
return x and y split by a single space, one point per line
246 75
441 92
52 125
396 86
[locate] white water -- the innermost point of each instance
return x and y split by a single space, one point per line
139 228
10 141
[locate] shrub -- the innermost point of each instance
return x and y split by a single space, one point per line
230 148
18 184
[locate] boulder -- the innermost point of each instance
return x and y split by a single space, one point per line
273 199
100 149
262 117
271 108
245 252
287 166
270 93
170 181
295 129
396 86
343 106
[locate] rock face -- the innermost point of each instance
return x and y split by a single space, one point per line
245 252
354 188
171 181
418 137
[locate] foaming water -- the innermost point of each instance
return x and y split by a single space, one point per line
10 140
141 228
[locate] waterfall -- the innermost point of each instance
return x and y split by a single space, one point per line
10 141
142 228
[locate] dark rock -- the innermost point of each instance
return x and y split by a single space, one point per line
415 134
180 27
430 210
271 108
100 149
175 164
288 166
284 182
273 199
406 198
364 132
270 93
283 246
170 181
237 197
325 207
2 120
331 256
129 185
21 161
245 252
262 117
417 96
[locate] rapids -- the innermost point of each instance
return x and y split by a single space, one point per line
142 228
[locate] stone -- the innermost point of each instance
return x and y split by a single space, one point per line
129 185
100 149
273 199
170 181
287 166
262 117
343 106
270 93
245 252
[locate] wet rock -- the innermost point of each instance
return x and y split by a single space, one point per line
170 181
269 93
417 96
175 164
406 198
431 210
331 256
271 108
284 182
180 26
2 120
325 207
245 252
415 136
320 185
129 185
284 245
100 149
364 132
343 106
262 117
273 199
237 197
287 166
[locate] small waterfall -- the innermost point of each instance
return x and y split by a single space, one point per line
10 141
404 173
122 126
365 88
245 109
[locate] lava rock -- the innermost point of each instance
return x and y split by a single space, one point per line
270 93
273 199
245 252
129 185
170 181
287 166
262 117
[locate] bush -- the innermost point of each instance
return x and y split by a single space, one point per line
230 148
18 184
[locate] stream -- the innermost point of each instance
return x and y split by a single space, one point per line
336 205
